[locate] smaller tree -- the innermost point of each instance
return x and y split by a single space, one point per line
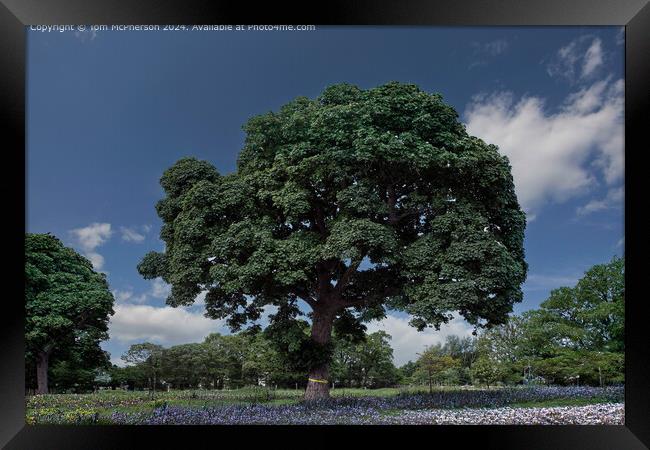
487 370
262 365
365 363
102 378
433 362
118 376
406 372
67 306
586 367
190 365
148 356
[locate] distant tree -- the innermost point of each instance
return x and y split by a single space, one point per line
510 349
75 368
505 342
102 378
582 367
433 362
217 363
186 365
131 376
232 352
487 370
388 176
589 316
149 357
67 305
118 376
464 349
576 335
368 363
407 371
262 364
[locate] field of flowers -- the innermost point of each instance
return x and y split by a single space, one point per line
522 405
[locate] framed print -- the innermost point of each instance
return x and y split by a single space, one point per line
418 218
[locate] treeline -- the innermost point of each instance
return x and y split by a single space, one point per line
575 337
245 359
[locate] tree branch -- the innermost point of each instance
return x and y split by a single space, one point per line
345 278
304 294
391 202
369 300
391 198
319 220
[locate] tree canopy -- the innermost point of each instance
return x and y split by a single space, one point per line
353 202
576 335
67 305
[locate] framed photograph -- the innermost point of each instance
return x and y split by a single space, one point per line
419 217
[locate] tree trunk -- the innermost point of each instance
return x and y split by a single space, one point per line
318 384
600 377
42 362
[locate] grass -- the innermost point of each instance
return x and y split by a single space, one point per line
77 408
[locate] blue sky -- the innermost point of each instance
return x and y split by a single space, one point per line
108 112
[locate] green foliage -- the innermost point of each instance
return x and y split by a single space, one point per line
576 336
367 363
406 372
487 371
187 364
582 367
133 377
149 357
291 339
386 175
588 316
435 365
347 327
251 359
67 308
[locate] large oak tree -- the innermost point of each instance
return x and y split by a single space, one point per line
67 304
354 202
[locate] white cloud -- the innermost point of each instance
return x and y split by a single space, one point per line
91 237
407 342
620 36
166 325
613 199
550 152
96 260
200 299
129 296
593 58
122 296
160 289
118 361
577 60
543 282
495 47
485 50
131 235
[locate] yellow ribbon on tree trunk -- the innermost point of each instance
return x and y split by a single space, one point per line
317 381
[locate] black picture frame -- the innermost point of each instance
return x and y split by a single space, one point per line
633 14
